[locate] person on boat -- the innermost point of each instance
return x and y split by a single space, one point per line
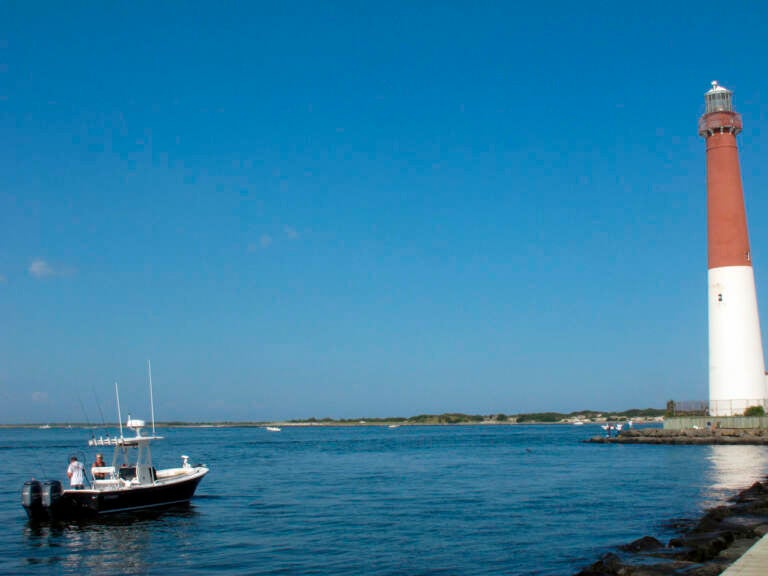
98 464
76 473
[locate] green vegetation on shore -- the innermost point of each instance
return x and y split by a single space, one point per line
530 418
591 415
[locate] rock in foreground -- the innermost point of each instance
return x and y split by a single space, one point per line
705 548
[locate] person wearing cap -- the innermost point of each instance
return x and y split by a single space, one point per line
76 473
98 464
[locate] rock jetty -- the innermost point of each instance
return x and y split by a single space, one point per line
703 548
752 436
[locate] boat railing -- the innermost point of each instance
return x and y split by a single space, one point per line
108 484
122 441
172 473
108 441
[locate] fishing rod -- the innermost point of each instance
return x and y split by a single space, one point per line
83 457
40 467
82 407
84 460
101 414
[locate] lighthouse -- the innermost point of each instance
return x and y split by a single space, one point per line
737 377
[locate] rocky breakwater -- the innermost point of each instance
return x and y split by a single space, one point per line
703 548
753 436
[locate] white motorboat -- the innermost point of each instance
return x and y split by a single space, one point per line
131 482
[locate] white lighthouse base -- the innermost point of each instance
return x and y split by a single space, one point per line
737 377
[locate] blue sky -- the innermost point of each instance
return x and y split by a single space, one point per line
363 209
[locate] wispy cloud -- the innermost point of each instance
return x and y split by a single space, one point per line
264 242
3 279
40 396
40 269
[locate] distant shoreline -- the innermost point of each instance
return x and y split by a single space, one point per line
638 416
301 424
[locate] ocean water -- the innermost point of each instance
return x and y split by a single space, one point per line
453 500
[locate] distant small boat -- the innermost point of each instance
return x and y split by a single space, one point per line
274 429
394 426
578 423
45 427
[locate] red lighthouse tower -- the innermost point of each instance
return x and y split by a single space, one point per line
736 364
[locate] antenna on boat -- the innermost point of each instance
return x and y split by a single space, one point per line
151 398
119 416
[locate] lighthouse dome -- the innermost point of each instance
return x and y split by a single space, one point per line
718 99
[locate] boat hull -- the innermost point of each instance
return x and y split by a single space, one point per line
75 504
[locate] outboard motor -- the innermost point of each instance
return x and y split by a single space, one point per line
51 494
32 499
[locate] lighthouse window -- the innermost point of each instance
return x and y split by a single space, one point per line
719 101
719 297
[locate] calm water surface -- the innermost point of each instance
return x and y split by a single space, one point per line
464 500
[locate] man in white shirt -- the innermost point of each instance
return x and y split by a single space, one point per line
76 473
